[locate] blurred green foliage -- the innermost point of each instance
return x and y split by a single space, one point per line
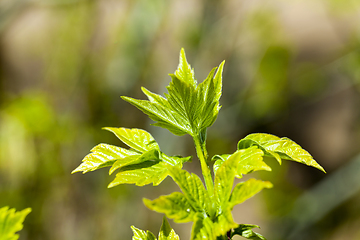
292 70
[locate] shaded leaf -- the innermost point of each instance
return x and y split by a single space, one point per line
11 222
279 148
166 232
245 231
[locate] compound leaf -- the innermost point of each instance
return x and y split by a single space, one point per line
11 222
279 148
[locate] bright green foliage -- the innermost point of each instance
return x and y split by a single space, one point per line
250 160
279 148
211 216
142 164
190 108
11 222
166 233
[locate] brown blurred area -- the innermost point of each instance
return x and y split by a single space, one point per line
292 69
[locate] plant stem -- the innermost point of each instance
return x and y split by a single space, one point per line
201 153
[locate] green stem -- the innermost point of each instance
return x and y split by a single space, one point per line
201 153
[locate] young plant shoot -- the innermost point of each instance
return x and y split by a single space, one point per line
190 108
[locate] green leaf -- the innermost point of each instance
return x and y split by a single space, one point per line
141 174
163 116
142 164
104 155
137 139
203 228
187 108
142 235
279 148
209 93
192 188
184 71
166 232
175 206
246 190
224 180
250 160
11 222
219 160
195 205
245 231
151 155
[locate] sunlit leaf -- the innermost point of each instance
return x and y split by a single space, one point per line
209 93
137 139
142 164
184 71
203 228
224 180
104 155
151 155
246 190
142 235
250 160
279 148
175 206
192 188
141 174
11 222
187 108
164 117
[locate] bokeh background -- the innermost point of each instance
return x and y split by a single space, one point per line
292 69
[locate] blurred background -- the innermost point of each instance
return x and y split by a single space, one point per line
292 69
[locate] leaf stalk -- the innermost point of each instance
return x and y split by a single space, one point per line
204 166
